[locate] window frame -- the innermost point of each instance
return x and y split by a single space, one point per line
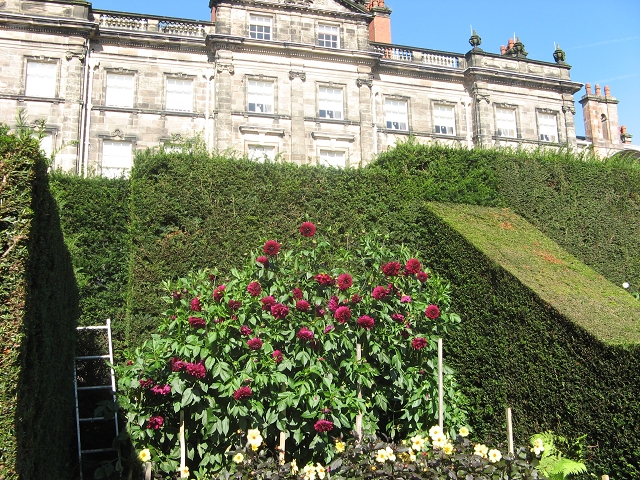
514 112
116 171
398 100
120 73
251 24
540 115
323 42
256 94
343 153
335 88
181 78
452 122
264 157
37 91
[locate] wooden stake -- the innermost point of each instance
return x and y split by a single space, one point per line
605 477
147 471
510 430
359 417
440 387
183 446
283 441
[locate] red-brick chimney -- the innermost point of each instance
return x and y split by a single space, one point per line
380 26
213 14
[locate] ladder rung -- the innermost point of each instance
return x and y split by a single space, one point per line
91 419
94 387
99 450
93 357
99 327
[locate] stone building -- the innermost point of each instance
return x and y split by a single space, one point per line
303 80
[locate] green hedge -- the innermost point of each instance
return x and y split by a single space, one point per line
38 314
517 350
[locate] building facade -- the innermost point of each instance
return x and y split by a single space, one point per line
306 81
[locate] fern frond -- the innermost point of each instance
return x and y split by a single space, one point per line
566 467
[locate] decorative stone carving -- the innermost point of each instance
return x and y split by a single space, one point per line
475 41
559 56
301 75
368 81
480 97
569 108
225 67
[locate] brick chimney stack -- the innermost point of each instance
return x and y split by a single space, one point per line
380 26
598 91
601 117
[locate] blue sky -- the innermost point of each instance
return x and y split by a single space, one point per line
601 38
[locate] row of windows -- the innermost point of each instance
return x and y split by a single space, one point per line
261 28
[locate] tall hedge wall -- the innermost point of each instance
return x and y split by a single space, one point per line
190 211
38 314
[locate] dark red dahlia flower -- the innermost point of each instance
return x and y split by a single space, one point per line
255 343
355 299
345 281
218 292
271 248
267 303
254 289
334 303
177 365
245 330
242 392
197 322
379 293
302 306
196 370
234 304
342 314
277 356
432 312
308 229
146 383
263 260
297 294
413 266
323 426
305 334
325 279
366 321
196 306
328 328
397 317
391 269
161 389
279 311
419 343
176 295
422 276
155 423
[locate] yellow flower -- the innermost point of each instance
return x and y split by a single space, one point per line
412 456
309 472
381 456
144 455
294 466
435 431
373 467
238 457
390 455
480 450
254 438
417 443
340 446
463 432
447 448
320 471
494 456
184 472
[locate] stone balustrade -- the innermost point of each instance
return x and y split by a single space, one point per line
151 24
420 56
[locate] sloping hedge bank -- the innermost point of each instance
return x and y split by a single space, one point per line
189 211
38 313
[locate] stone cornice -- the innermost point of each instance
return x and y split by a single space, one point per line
501 77
301 7
38 23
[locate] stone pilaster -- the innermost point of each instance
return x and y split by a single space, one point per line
365 85
223 92
298 136
482 117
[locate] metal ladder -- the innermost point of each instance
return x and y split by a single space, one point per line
111 387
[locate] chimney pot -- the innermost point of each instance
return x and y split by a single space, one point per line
588 88
503 49
607 91
598 91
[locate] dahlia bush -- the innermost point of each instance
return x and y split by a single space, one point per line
273 346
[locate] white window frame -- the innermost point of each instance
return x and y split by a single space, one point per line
547 127
179 94
41 78
330 102
396 114
260 96
332 158
328 35
47 143
117 158
260 27
506 124
261 153
444 119
120 90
